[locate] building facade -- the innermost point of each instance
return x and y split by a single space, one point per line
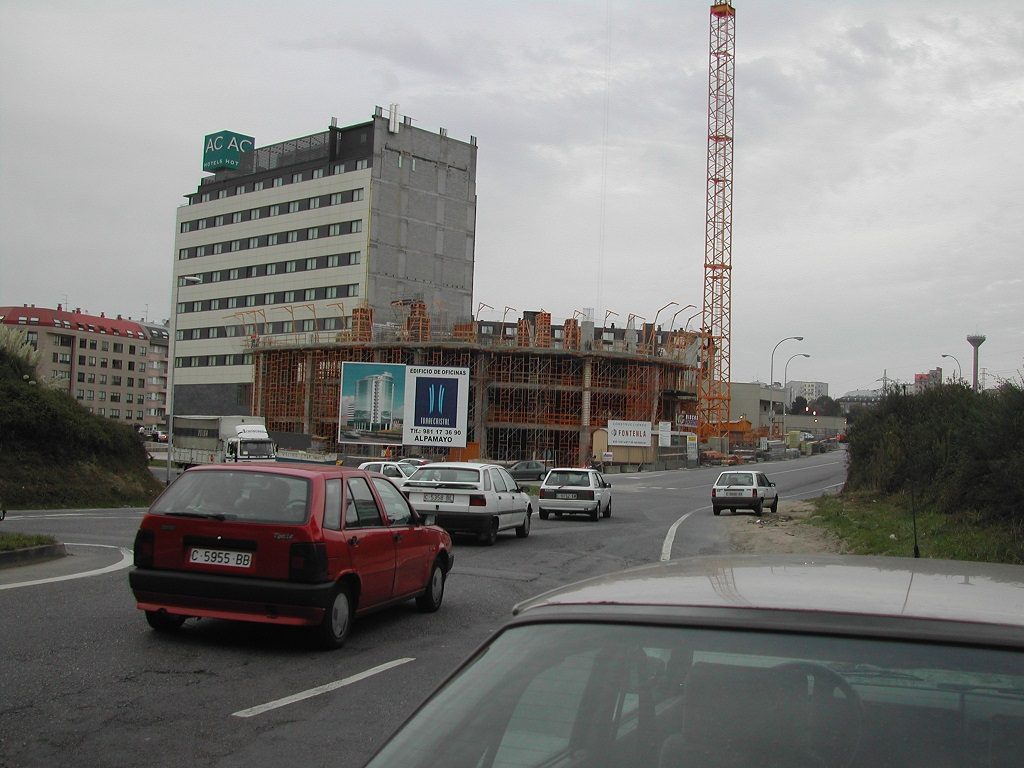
808 390
114 367
301 234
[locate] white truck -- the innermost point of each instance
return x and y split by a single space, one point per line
220 439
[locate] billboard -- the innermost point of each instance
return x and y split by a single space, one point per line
436 406
629 433
221 150
371 408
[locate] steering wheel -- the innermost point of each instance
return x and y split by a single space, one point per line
836 712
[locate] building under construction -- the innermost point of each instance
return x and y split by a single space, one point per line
536 391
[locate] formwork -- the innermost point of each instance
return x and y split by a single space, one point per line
523 403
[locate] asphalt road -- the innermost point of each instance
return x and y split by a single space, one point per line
85 682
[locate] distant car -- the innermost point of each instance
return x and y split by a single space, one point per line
528 470
414 461
294 544
743 489
574 491
351 434
158 436
733 661
464 497
396 470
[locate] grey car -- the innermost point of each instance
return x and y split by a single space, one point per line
740 661
530 469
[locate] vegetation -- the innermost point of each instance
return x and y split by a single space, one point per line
951 457
12 541
53 452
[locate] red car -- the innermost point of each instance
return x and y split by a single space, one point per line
297 544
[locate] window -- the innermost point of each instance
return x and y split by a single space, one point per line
395 505
183 254
318 173
236 217
293 206
331 292
275 210
311 263
200 251
240 190
293 236
186 226
204 198
215 277
332 504
271 269
314 202
361 165
312 233
236 245
307 326
334 260
361 510
357 226
309 295
289 297
279 182
232 302
257 186
119 347
357 194
218 221
250 301
335 230
339 168
337 198
233 274
202 223
217 248
254 242
222 194
272 239
290 266
268 298
254 214
296 178
252 271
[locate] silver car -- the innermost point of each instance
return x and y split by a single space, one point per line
574 491
743 489
742 661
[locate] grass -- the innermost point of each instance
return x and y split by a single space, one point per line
871 524
12 541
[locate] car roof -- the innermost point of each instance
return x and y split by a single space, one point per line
295 469
787 592
457 464
573 469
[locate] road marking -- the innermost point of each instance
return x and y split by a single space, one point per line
308 694
670 537
90 515
125 561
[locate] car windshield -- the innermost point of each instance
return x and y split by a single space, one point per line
445 475
609 695
256 449
563 477
262 497
735 478
406 469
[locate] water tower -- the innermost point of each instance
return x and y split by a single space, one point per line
976 340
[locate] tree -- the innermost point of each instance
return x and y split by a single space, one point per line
798 405
826 406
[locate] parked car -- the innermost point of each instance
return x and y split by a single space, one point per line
743 489
482 499
296 544
158 435
414 461
741 661
528 470
395 470
574 491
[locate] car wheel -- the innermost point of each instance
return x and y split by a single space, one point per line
775 505
596 513
608 510
162 621
523 530
543 514
489 537
432 596
717 511
759 507
337 620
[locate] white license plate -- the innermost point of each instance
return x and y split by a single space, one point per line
734 493
439 498
220 557
565 495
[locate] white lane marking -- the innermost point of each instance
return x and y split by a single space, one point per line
88 515
327 688
670 537
124 562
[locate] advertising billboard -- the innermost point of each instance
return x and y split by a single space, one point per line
437 406
372 403
629 433
221 150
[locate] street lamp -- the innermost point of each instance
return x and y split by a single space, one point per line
183 280
785 386
959 370
678 312
771 383
690 319
654 325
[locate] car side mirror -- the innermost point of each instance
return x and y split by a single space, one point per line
424 518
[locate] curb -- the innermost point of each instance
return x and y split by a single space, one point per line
15 557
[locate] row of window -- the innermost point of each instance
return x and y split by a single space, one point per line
115 413
277 238
203 361
278 268
279 181
306 325
115 397
117 364
89 327
273 297
104 346
292 206
85 377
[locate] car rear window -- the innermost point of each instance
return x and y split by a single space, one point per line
446 475
556 477
261 497
735 478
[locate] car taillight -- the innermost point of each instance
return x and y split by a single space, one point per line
476 500
307 562
714 493
753 493
145 543
545 493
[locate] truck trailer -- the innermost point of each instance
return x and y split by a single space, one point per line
220 439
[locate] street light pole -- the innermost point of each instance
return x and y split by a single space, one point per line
654 325
959 370
785 386
173 331
771 384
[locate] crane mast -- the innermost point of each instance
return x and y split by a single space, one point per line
713 393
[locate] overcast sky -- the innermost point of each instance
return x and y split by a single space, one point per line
878 154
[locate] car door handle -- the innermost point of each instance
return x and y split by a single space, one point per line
397 536
354 541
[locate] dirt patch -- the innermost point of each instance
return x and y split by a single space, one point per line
781 533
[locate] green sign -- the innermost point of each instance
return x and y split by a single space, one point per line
221 150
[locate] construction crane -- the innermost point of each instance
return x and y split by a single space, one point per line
713 377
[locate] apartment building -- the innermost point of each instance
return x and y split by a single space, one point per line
287 240
115 367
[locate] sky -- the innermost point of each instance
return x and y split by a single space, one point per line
878 202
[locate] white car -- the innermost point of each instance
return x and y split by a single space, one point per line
465 497
575 491
397 472
744 489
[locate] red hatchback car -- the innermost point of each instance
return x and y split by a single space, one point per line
295 544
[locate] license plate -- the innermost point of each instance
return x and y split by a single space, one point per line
220 557
734 493
439 498
565 495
